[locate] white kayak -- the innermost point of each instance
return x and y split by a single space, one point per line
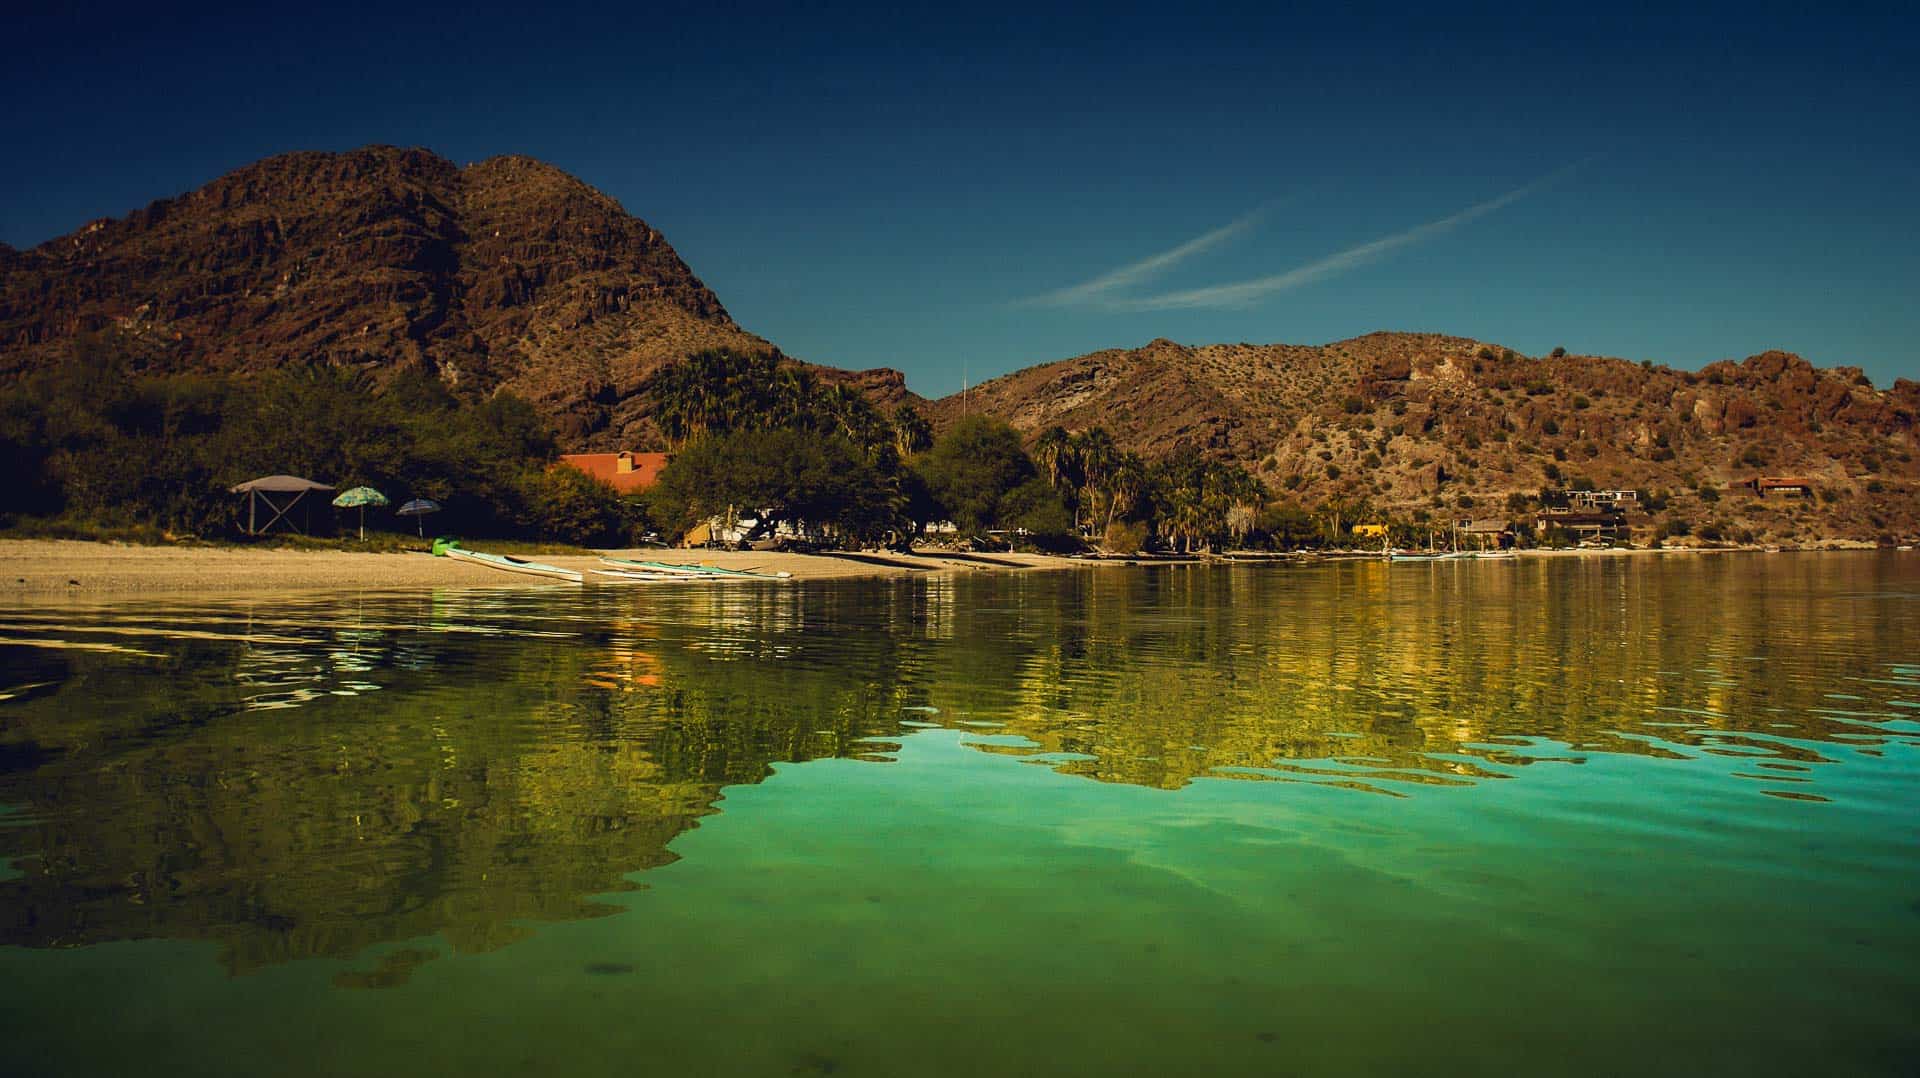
517 565
629 565
644 576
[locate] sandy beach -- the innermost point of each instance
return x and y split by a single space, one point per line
42 569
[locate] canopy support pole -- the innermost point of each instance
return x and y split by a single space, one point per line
280 512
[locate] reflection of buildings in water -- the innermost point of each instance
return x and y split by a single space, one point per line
744 621
628 663
933 606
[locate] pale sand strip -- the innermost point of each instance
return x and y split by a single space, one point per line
38 570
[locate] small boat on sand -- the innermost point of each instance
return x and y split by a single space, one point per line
515 565
673 568
642 576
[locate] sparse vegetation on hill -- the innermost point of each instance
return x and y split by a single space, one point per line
511 277
1415 423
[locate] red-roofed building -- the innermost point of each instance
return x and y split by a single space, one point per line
628 473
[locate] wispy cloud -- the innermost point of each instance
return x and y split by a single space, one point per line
1244 293
1100 291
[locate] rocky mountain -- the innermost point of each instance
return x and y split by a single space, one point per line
506 273
510 274
1421 421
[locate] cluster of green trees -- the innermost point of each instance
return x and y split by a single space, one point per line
760 438
92 447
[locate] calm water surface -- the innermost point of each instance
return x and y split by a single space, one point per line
1582 817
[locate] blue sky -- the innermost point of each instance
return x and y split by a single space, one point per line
964 194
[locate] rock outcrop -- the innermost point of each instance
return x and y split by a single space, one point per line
508 274
1410 421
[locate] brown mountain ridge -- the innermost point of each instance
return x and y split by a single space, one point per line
508 274
511 274
1413 421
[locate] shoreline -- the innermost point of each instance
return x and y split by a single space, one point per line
38 570
42 570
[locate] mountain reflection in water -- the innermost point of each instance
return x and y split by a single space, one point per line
306 778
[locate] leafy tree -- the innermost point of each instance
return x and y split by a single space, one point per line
1289 526
571 506
970 470
776 476
1038 509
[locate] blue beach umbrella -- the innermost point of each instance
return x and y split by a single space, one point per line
418 509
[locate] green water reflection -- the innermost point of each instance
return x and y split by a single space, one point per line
380 792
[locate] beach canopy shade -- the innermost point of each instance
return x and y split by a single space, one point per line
359 498
281 493
418 508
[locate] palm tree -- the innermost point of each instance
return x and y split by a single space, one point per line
1054 452
790 397
1126 484
911 431
1095 454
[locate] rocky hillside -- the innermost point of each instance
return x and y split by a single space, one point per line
507 273
1413 421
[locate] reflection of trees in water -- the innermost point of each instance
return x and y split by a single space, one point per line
1367 671
522 755
494 779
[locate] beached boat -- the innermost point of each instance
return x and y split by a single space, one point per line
515 565
689 570
642 576
1496 555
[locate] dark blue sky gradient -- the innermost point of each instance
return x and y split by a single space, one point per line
884 187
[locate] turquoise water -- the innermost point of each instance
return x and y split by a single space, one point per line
1561 817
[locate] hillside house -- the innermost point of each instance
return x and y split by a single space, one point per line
1622 500
1780 486
625 471
1369 531
1494 533
1582 523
